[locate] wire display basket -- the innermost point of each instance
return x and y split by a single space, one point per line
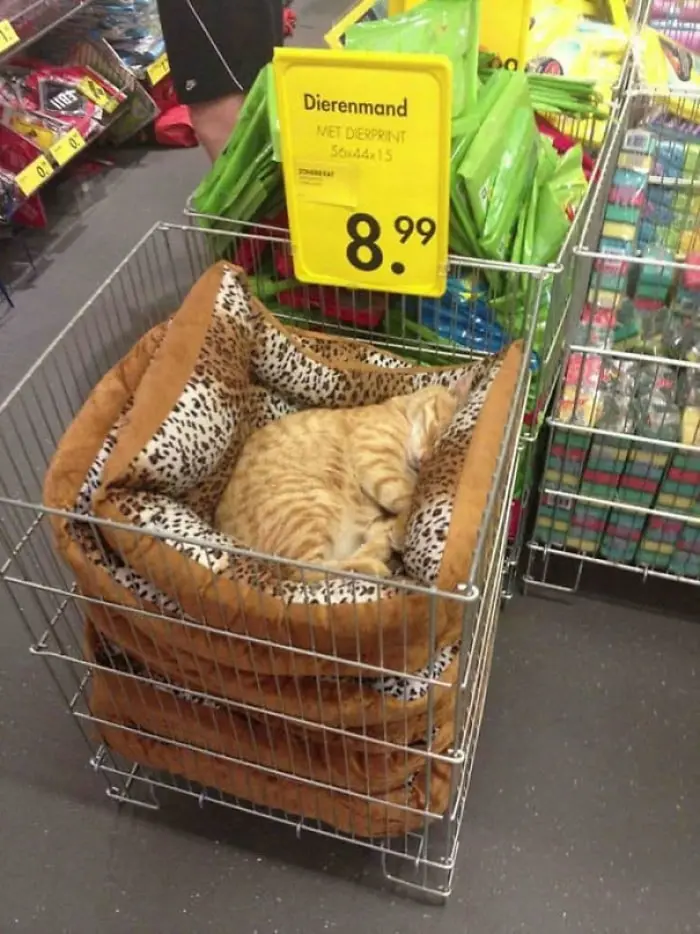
138 111
621 485
153 721
547 317
30 21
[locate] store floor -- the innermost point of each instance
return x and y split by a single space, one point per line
584 811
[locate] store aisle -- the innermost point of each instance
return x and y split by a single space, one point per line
585 807
146 187
584 812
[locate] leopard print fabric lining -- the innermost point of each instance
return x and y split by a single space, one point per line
173 485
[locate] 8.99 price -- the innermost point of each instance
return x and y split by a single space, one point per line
364 251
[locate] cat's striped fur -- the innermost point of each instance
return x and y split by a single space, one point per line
333 487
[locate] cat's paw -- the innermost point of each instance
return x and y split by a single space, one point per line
397 533
372 566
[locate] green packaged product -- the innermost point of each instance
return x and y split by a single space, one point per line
441 27
273 116
245 182
560 198
499 165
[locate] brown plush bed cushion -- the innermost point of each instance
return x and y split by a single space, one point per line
392 815
339 759
225 344
337 702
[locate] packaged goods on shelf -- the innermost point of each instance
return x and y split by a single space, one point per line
523 150
132 28
49 114
627 420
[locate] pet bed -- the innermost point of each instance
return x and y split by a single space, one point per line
151 452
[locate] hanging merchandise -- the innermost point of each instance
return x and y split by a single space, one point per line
497 145
132 28
51 112
435 27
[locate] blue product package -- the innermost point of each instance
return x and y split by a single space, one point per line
660 214
463 315
629 178
661 195
670 153
668 170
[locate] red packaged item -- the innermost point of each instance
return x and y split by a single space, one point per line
16 153
563 143
44 98
164 95
104 95
173 127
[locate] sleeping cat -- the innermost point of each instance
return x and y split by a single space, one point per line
334 486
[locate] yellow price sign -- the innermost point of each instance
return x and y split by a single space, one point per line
158 70
505 31
366 158
40 135
8 35
34 175
94 91
68 146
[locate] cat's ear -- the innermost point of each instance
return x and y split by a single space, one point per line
462 389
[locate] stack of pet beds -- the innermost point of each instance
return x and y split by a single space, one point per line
208 663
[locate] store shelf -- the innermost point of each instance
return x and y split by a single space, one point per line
22 24
128 118
620 486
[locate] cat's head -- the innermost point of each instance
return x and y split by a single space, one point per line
429 412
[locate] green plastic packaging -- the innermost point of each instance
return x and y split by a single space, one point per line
440 27
499 165
245 182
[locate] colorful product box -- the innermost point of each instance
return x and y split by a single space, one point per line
601 478
563 471
675 542
639 485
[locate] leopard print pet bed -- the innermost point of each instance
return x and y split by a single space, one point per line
150 454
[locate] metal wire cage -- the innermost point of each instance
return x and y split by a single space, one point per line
622 478
35 19
69 42
261 741
460 317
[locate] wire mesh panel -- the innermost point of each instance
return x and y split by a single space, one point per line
621 480
479 313
361 733
30 21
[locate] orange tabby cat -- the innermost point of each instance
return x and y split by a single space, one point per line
334 486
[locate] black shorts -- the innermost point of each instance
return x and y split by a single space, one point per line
217 47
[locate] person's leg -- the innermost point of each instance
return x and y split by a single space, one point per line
216 49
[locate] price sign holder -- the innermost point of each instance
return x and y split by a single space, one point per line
34 175
159 70
363 12
505 30
366 159
94 91
8 35
67 147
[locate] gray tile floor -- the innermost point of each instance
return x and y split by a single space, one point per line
584 812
